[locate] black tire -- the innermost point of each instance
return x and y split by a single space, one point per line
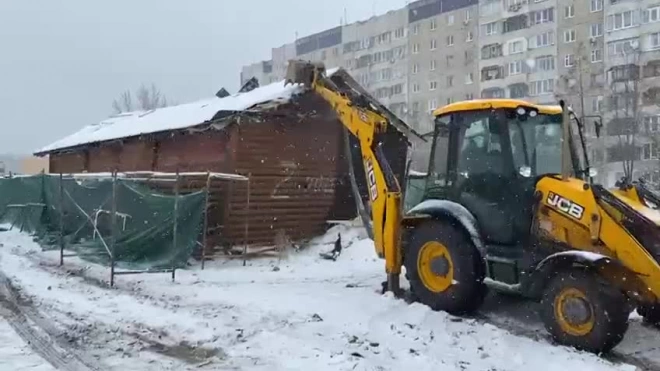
608 306
650 313
467 295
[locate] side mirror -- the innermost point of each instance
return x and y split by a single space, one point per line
525 171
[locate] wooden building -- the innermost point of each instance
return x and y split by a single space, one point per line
288 141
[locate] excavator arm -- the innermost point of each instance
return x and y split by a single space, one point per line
368 125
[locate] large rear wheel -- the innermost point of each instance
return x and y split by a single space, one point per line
444 268
581 310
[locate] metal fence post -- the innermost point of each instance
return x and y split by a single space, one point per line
247 218
113 223
206 218
176 221
61 220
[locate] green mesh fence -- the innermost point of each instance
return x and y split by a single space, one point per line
144 224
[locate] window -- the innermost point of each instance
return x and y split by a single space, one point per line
434 24
545 63
596 5
543 16
415 48
517 91
515 47
620 21
597 104
569 36
652 123
468 15
449 100
433 85
433 65
489 8
399 33
493 93
432 105
541 87
596 55
450 40
415 87
569 60
469 96
450 81
490 28
450 19
469 78
469 37
654 40
415 68
416 29
596 30
434 44
480 152
651 14
650 152
542 40
515 68
622 47
491 51
569 11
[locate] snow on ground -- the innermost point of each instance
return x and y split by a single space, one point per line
16 355
300 313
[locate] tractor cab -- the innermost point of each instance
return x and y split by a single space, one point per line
488 155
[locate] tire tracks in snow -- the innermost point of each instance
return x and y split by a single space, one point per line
35 330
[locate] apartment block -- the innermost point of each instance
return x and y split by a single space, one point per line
443 63
632 65
518 49
375 53
262 71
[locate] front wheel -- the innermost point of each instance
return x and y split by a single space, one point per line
580 310
444 268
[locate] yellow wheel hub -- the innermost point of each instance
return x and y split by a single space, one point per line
435 267
573 312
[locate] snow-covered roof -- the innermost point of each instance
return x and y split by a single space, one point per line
172 118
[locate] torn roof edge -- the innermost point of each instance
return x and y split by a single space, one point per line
281 97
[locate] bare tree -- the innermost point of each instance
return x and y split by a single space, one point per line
625 105
147 98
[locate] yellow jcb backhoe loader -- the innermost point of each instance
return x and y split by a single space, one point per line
508 205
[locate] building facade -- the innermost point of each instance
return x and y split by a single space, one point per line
443 65
602 56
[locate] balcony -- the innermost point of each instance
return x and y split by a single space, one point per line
491 73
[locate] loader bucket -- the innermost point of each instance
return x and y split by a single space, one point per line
303 72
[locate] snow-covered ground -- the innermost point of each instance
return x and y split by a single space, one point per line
16 354
299 313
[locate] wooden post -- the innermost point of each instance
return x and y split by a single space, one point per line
176 220
113 227
61 220
247 213
206 217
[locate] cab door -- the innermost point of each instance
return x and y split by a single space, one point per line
483 176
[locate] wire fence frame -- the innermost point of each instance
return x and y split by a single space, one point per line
146 176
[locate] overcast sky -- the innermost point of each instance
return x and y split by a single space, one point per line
63 62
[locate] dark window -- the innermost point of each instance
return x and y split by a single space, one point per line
520 90
480 150
515 23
